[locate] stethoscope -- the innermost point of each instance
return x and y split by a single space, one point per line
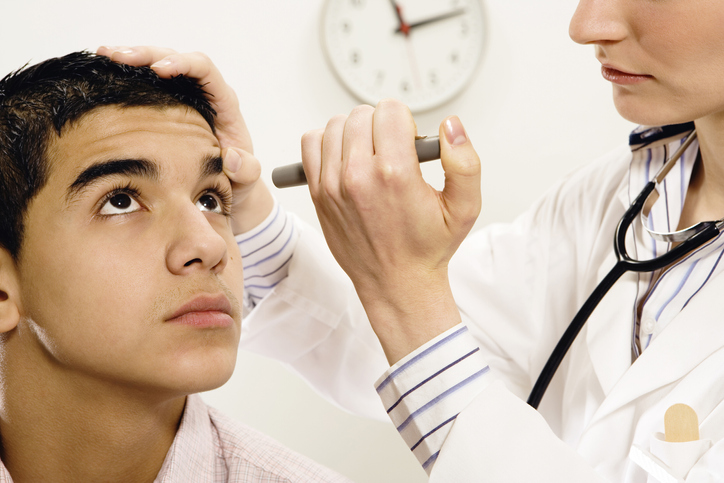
687 240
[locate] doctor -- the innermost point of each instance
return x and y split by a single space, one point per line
655 340
467 335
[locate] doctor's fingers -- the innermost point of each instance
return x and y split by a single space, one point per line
167 62
241 167
357 144
332 163
379 155
312 157
231 128
394 137
137 56
322 161
462 174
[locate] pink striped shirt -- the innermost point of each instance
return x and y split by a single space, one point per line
210 447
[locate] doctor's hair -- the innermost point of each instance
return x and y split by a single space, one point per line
38 102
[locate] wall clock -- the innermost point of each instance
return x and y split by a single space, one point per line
422 52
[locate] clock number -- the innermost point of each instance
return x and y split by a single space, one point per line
357 3
454 57
433 78
464 28
346 27
405 87
355 57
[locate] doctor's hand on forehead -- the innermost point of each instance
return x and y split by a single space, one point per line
391 231
252 199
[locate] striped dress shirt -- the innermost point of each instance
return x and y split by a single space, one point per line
663 294
425 391
265 253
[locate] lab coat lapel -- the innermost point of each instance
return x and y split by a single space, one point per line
608 335
687 341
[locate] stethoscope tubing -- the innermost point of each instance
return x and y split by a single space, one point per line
625 263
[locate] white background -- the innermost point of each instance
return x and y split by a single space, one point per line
536 109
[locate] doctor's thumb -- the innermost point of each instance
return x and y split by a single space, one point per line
462 172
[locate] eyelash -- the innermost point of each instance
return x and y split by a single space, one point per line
225 197
221 192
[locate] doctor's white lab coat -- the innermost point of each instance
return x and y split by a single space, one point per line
518 286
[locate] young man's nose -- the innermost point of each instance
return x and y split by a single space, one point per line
599 22
195 245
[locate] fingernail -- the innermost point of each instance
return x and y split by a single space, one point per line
455 132
110 47
127 51
162 63
232 161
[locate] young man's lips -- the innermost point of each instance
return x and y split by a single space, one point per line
623 78
204 311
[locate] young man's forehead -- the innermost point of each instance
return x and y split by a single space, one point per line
116 112
117 132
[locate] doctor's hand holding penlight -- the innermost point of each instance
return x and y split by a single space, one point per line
390 230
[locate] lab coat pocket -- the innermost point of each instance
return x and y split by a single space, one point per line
679 457
668 462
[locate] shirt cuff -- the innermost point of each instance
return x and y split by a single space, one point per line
424 392
265 252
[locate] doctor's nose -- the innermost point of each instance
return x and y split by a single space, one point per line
599 22
195 244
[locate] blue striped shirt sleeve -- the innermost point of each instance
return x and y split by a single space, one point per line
424 392
266 252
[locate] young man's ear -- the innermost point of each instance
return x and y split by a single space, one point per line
9 293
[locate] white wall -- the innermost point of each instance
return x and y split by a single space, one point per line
536 109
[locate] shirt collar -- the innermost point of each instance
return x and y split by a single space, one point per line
651 147
191 456
651 136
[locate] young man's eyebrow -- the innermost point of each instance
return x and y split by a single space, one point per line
103 169
212 166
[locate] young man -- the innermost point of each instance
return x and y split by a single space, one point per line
120 283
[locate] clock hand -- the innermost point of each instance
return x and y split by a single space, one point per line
404 28
417 80
437 18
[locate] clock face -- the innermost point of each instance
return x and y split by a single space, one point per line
422 52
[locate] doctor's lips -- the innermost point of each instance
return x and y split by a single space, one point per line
204 311
622 78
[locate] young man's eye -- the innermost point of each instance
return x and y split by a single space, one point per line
217 200
209 202
119 203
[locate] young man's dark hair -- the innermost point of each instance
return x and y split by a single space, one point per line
40 100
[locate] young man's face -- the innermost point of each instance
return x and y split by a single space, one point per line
129 272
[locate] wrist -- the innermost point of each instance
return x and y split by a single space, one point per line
409 311
254 209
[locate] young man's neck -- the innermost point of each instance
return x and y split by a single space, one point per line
75 429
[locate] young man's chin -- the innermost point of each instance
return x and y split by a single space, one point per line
193 375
